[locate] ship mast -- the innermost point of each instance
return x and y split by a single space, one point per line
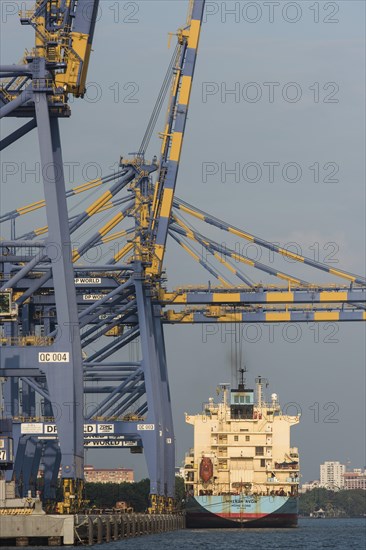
241 385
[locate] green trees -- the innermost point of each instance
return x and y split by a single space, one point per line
335 503
105 495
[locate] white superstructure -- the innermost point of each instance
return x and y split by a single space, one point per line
245 444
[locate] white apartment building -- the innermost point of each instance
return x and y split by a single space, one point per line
331 475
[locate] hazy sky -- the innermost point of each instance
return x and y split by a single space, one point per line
316 195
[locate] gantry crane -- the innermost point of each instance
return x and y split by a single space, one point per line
39 88
67 323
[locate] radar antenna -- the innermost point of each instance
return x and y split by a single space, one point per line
242 371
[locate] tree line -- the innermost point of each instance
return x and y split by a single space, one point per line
350 503
136 495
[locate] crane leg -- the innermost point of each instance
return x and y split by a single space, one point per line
64 379
158 441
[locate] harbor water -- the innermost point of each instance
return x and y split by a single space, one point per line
311 534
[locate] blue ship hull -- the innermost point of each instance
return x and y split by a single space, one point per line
241 511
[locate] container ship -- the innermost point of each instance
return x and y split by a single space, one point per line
242 471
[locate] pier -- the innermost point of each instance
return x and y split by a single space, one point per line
86 529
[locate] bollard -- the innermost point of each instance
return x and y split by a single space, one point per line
108 537
122 527
115 527
99 530
127 526
90 531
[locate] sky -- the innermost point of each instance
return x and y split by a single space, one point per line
277 84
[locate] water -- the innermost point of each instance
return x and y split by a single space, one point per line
342 534
311 534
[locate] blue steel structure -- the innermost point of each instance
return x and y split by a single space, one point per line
67 324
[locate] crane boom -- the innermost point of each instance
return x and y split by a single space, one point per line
174 132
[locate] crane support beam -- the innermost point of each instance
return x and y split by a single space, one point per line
220 315
240 297
224 250
17 134
220 224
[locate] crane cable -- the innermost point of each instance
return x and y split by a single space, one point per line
159 103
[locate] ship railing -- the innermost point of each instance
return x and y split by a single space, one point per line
266 408
210 407
289 466
262 493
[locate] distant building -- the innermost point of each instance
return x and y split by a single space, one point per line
108 475
319 514
331 475
355 479
309 486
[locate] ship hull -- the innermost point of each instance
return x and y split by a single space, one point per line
240 511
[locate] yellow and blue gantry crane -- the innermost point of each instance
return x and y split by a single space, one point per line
66 323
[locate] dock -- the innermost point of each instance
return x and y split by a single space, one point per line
87 529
